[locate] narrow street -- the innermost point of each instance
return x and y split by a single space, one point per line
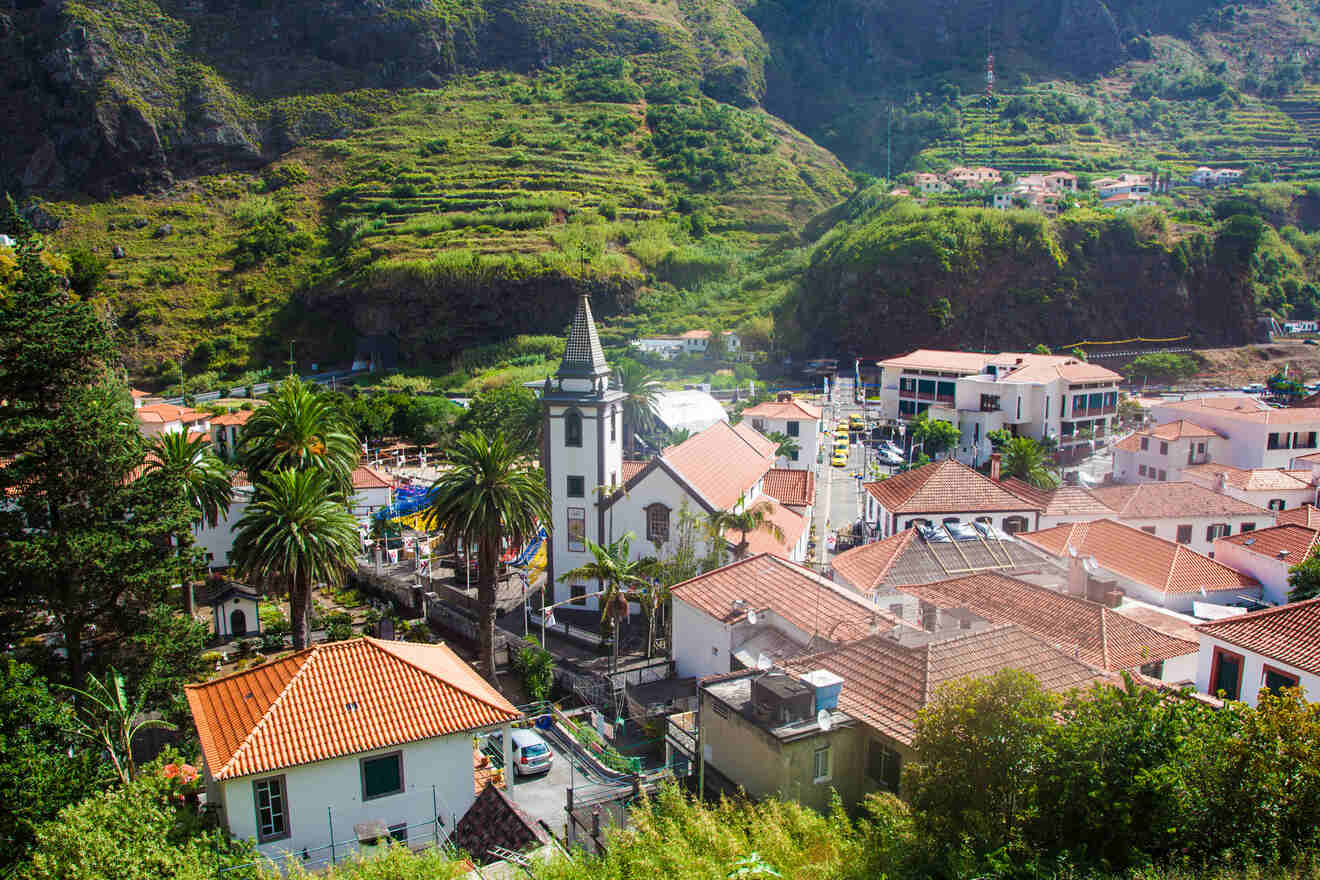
838 491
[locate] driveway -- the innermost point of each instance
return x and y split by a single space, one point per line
544 797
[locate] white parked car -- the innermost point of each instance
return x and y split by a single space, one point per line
530 752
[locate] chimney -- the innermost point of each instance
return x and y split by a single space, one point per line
996 461
1114 597
1076 576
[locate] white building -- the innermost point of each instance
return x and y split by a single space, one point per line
725 619
227 432
216 542
596 495
1270 488
665 347
792 417
1270 649
1204 176
1135 563
235 611
372 491
1160 452
1030 395
300 750
1123 185
1184 513
1254 435
691 409
1268 555
165 418
945 492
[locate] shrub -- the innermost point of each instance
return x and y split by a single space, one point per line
276 177
537 667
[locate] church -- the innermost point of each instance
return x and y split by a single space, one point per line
596 494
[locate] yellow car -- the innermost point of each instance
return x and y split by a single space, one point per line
856 423
840 459
841 431
840 447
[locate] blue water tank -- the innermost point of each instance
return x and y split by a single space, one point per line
827 686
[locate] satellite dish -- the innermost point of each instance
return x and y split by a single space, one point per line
1072 551
763 661
1091 565
824 720
752 617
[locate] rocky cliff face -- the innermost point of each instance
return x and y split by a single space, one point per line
120 95
976 280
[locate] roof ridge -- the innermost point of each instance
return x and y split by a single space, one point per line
1256 615
310 653
1104 637
380 645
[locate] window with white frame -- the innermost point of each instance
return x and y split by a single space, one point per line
820 765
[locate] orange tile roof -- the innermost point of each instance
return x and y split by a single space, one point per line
135 393
1063 501
1287 633
366 477
1293 541
1307 515
695 334
1047 368
867 566
233 418
1248 409
722 462
1170 500
1088 630
1180 429
631 468
166 412
934 359
886 683
1143 557
337 699
1253 480
791 523
947 486
1130 443
800 596
783 409
795 487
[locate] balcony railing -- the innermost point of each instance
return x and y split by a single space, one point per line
946 399
1086 412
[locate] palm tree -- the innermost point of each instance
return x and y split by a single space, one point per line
191 467
303 430
488 495
621 578
297 530
642 393
785 446
678 436
745 520
1025 459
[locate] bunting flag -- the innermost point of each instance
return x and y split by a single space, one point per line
423 566
393 554
423 457
423 548
548 617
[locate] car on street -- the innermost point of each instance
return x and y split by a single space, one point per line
888 446
856 423
885 456
1254 388
531 754
840 459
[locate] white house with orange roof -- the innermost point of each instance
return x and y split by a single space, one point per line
143 398
227 432
1268 555
166 418
1254 435
302 752
1161 452
794 418
1127 561
979 176
1271 488
1038 396
727 618
945 492
1264 650
929 183
597 496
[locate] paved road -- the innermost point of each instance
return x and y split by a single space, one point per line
543 797
838 498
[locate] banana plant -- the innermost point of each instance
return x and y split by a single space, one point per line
107 717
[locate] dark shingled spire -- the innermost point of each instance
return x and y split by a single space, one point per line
583 356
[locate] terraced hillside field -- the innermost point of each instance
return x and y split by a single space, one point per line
494 173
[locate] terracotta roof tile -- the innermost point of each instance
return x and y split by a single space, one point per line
801 597
1179 430
791 523
1254 480
947 486
336 699
1042 368
785 409
494 820
886 683
165 412
1063 501
795 487
631 468
1130 443
367 477
907 558
1247 409
1289 633
1167 500
722 462
934 359
1307 515
866 567
1293 541
136 394
1088 630
233 418
1159 564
